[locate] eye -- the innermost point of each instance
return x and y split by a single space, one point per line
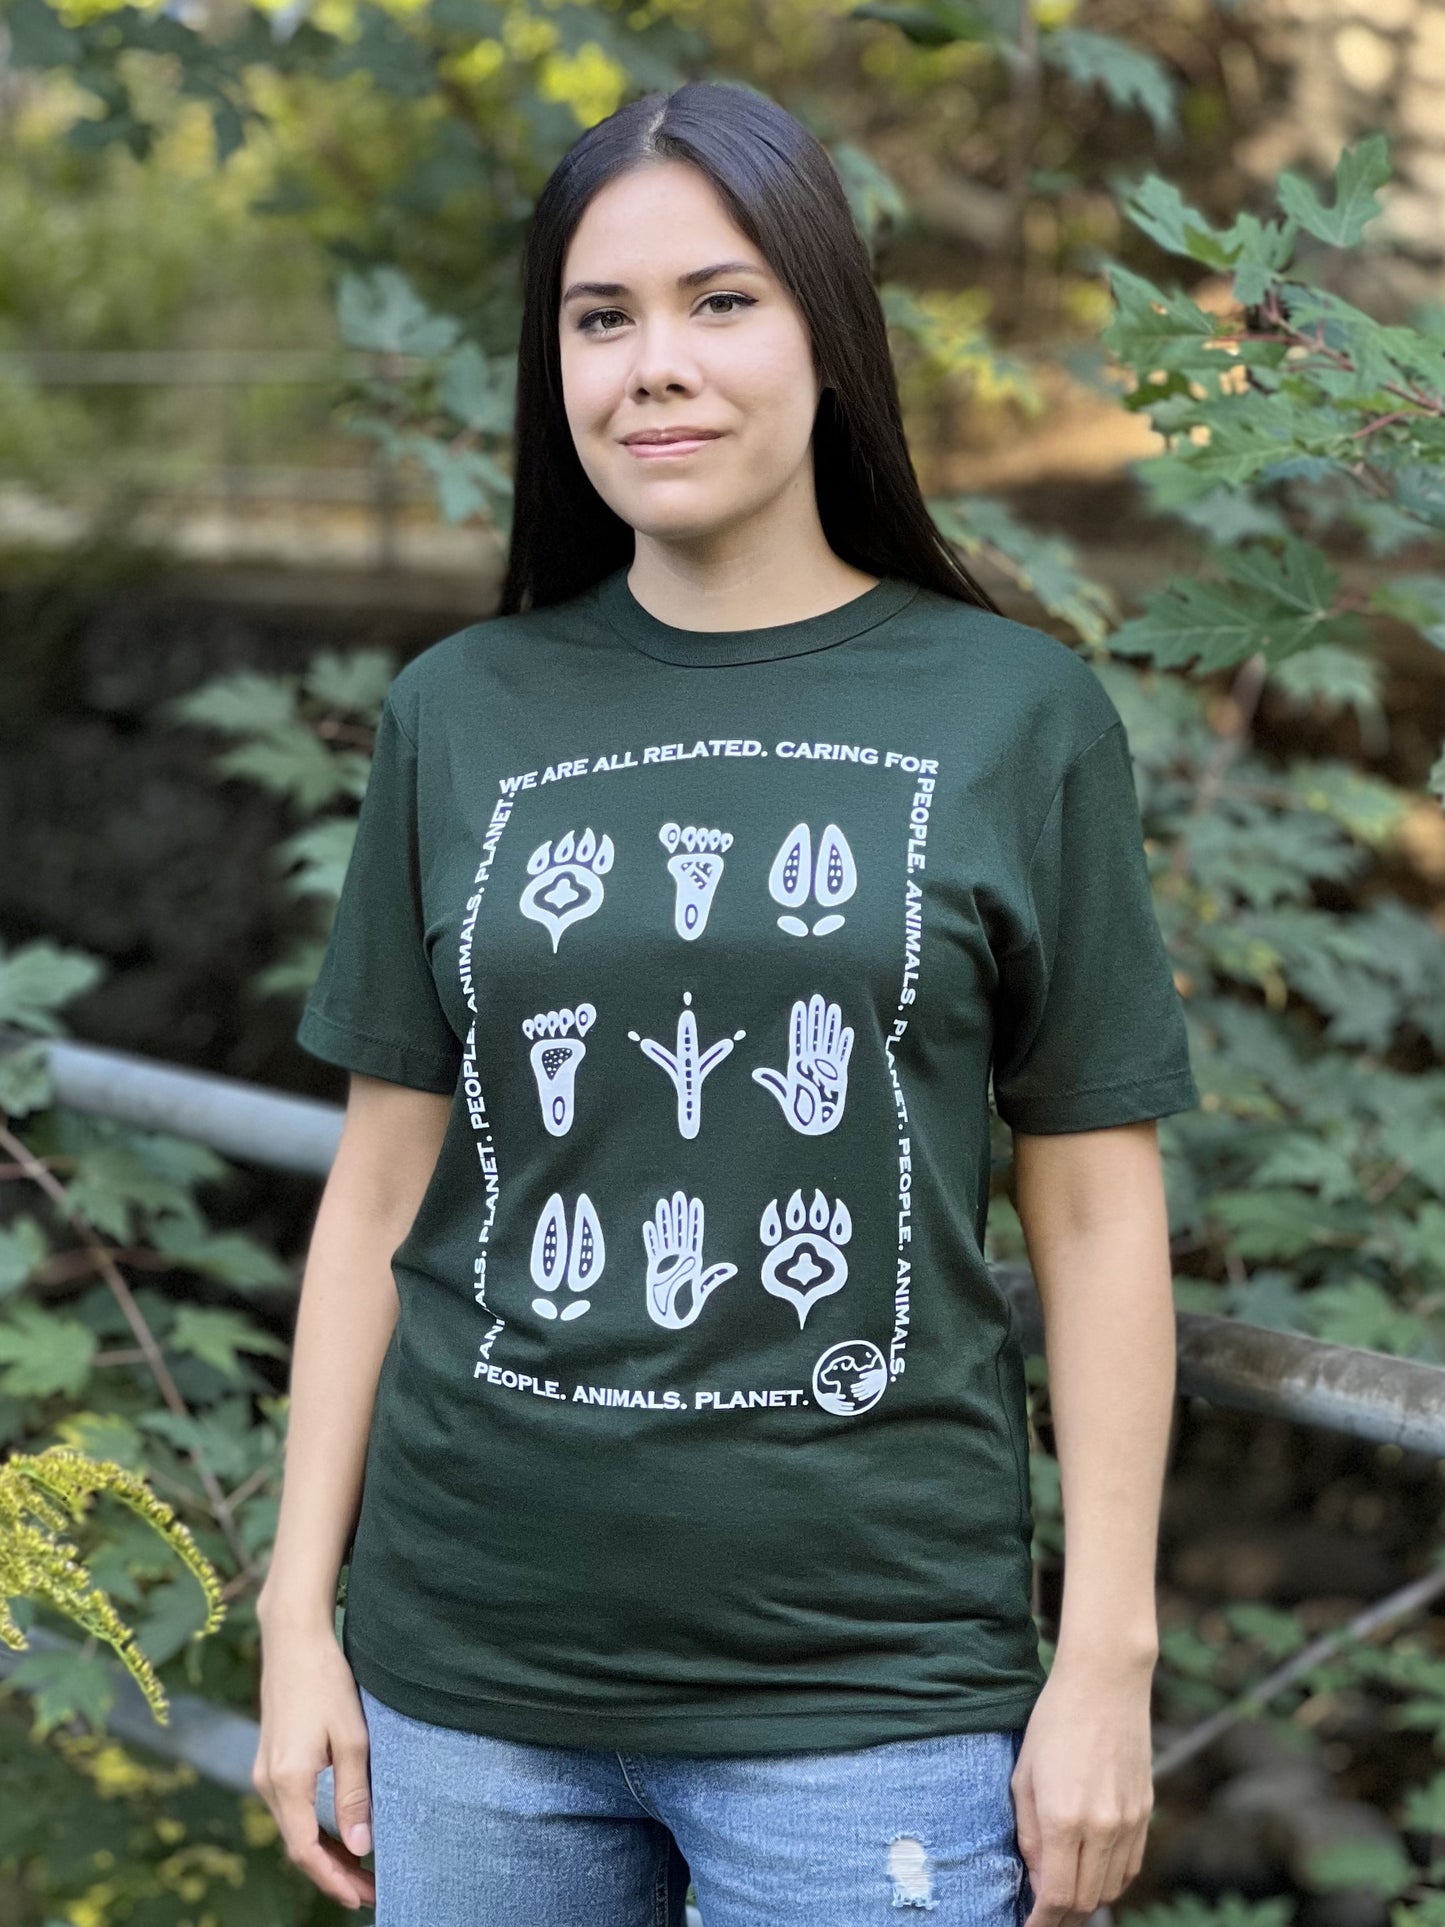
585 327
746 299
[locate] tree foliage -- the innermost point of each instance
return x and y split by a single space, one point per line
1307 1192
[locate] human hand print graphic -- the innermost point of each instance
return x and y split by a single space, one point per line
813 1088
673 1239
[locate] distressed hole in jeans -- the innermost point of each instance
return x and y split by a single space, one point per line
908 1869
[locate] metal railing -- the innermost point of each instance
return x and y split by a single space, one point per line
1368 1395
1253 1368
380 488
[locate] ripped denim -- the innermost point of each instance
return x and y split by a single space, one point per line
471 1831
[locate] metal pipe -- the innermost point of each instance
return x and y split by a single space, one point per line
1252 1368
219 1744
251 1123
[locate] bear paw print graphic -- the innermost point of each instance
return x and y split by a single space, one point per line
695 865
556 1258
566 881
808 1263
555 1055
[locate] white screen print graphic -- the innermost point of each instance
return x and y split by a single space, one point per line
807 1265
557 1257
850 1377
563 886
687 1066
678 1283
813 1088
695 867
566 881
794 878
555 1056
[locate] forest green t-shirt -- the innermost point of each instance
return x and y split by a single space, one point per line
702 1428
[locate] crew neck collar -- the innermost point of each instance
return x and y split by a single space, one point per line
703 648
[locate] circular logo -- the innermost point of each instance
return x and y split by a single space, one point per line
850 1377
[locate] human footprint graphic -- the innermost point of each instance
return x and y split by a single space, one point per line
555 1057
565 886
813 1088
555 1257
675 1274
809 1264
695 867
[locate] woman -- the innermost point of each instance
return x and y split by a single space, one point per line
693 901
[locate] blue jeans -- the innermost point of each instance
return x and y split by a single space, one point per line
470 1831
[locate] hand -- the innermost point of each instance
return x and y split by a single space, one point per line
311 1717
813 1089
1083 1787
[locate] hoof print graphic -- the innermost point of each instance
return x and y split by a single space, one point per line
794 878
555 1056
556 1258
695 866
678 1285
813 1088
565 885
808 1263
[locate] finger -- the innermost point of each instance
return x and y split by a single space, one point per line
330 1866
1056 1883
1096 1851
815 1021
339 1874
1124 1863
1118 1868
350 1755
1026 1825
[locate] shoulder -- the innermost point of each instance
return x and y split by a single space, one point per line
444 670
1043 683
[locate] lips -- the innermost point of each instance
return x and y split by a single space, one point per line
662 437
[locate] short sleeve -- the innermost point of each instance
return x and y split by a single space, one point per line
374 1006
1089 1028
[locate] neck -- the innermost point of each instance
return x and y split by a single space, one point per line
746 589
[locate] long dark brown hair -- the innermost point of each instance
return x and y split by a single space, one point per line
781 190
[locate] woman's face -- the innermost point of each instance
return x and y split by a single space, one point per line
727 351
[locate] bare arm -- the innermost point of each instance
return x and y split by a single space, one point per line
1095 1222
310 1710
1092 1206
388 1150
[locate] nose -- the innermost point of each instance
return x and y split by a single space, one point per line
661 361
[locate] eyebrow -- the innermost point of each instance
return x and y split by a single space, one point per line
606 290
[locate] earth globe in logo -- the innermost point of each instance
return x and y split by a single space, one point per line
850 1377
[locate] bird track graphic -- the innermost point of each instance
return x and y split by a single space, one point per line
686 1066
